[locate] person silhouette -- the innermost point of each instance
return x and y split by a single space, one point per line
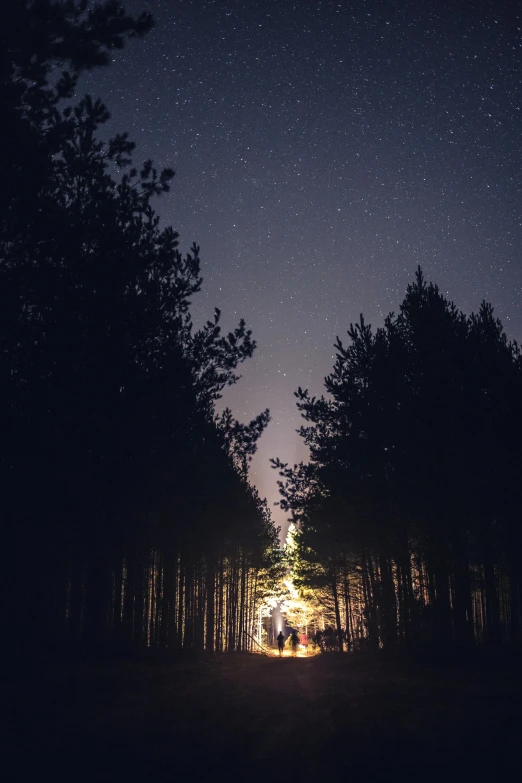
280 642
294 640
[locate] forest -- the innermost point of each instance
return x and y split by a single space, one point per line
407 518
128 518
141 567
128 521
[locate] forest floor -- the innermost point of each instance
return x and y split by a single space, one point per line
252 717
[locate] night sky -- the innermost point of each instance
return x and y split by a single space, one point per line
322 150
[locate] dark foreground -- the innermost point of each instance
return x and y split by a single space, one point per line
256 718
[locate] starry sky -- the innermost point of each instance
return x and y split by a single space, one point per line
322 150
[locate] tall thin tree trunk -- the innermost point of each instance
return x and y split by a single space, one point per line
335 593
211 594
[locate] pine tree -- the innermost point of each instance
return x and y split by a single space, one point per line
407 508
127 508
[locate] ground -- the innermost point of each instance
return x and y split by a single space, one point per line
260 718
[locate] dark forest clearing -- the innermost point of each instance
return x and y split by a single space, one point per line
247 714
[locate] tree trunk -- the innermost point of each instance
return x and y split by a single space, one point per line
211 594
335 594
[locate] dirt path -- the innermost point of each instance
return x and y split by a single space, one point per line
281 705
248 716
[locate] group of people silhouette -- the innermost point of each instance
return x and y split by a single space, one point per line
294 641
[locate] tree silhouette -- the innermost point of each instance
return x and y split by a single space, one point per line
407 508
127 511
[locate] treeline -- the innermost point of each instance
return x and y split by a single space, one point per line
409 512
127 517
